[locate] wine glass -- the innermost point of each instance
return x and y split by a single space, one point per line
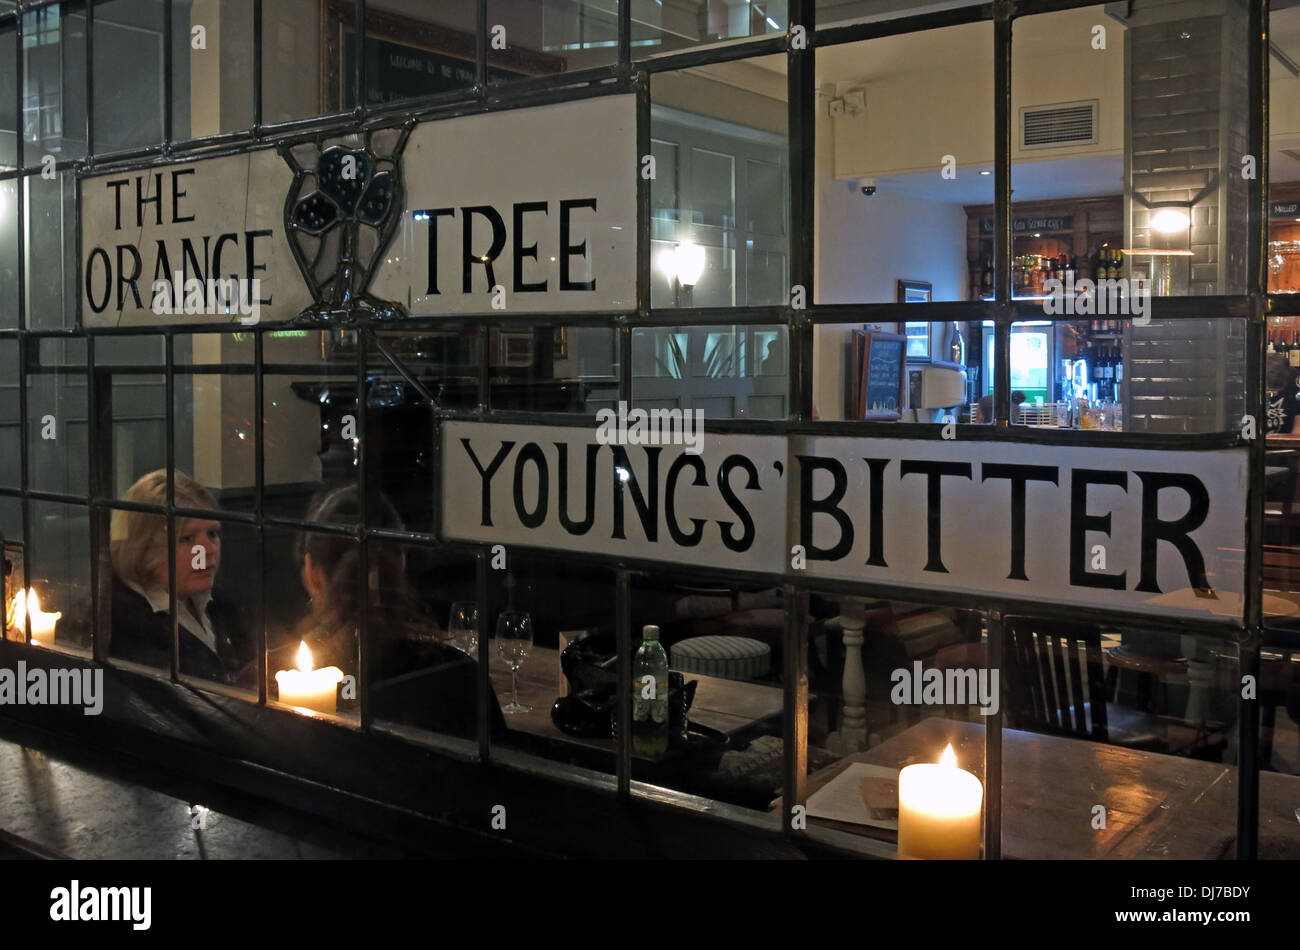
514 638
462 626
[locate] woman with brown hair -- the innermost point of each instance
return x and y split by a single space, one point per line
414 680
212 640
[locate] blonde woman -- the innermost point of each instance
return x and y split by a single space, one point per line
213 644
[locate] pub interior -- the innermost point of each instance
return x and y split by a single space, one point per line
1125 188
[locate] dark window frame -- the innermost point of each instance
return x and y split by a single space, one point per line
632 76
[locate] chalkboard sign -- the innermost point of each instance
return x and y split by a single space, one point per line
881 389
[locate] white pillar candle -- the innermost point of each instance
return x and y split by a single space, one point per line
43 624
939 808
309 688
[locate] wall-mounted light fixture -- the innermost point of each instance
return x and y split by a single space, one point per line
684 266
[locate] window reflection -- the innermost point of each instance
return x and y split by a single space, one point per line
726 372
215 641
719 198
425 671
54 88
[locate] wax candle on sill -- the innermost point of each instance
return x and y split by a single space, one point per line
939 809
43 624
307 687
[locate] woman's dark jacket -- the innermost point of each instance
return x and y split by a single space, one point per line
140 635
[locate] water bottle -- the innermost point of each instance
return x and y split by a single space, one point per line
650 696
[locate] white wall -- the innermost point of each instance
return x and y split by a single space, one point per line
864 245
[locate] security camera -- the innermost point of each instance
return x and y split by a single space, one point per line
867 186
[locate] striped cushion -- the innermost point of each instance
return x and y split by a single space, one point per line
732 658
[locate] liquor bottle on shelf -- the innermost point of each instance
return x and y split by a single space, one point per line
1293 352
1270 342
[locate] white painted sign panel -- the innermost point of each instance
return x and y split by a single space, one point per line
212 219
538 202
1149 531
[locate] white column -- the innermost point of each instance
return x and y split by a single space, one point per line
852 734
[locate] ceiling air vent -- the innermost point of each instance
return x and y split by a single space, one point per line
1071 123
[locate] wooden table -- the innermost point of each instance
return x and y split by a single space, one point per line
1157 806
726 705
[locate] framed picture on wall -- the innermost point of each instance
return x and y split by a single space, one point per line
914 291
918 334
918 341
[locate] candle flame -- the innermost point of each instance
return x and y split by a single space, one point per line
26 602
949 758
304 657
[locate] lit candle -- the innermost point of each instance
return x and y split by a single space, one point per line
42 623
939 811
309 688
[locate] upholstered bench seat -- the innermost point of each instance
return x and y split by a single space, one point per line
732 658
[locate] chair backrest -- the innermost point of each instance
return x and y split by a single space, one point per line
1051 687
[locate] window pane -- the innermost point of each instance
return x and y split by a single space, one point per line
128 63
726 372
218 599
869 717
9 254
841 12
1170 716
214 415
58 564
661 28
720 194
10 436
212 85
56 416
553 369
545 37
302 75
1283 165
135 391
425 673
319 607
903 151
8 116
50 242
415 50
570 717
1162 101
720 646
914 372
54 84
312 431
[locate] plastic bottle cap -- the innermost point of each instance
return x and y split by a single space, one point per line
650 632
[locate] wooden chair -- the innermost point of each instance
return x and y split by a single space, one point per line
1049 688
1056 684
